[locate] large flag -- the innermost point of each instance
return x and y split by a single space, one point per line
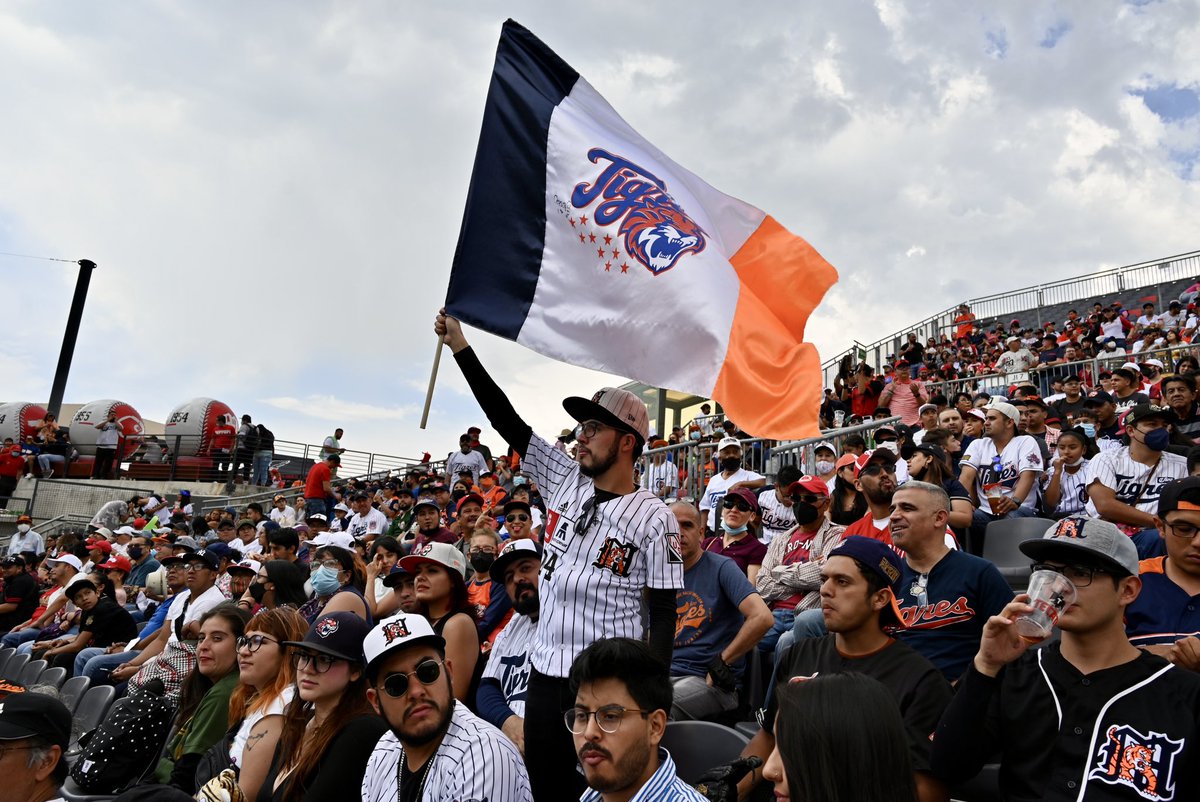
586 243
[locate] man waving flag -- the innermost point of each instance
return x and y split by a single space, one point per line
586 243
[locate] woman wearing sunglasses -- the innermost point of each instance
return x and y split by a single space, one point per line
329 728
738 539
339 580
203 715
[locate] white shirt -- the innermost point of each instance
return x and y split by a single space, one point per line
285 517
1020 455
1014 364
509 664
331 445
247 549
373 523
472 461
1128 478
1073 490
30 541
776 516
276 708
717 487
660 479
475 761
201 605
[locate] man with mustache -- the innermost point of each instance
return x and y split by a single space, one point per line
436 750
505 683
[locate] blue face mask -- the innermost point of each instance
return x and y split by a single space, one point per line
731 530
1089 429
325 581
1158 439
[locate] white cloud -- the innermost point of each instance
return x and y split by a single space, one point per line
330 408
915 250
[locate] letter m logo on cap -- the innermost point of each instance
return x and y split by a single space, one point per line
1070 528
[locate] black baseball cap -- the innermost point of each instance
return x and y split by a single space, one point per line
35 715
513 550
1182 494
515 504
338 635
1097 398
929 449
1140 412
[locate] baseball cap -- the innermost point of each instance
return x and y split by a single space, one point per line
13 562
340 507
118 562
612 405
1181 494
1071 377
513 550
901 363
81 582
1139 412
1155 362
812 484
881 560
927 407
126 530
100 545
138 523
1097 398
399 632
1013 339
395 576
514 504
66 559
206 556
33 715
245 522
977 413
432 553
727 442
874 455
343 540
746 495
24 519
826 445
1082 536
187 542
103 532
888 430
1006 409
426 501
929 449
317 516
338 635
475 497
247 565
844 460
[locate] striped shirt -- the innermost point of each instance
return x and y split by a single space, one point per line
1073 495
475 761
597 560
664 785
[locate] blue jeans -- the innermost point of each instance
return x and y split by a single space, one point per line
26 646
783 623
94 664
315 506
262 467
15 639
807 624
46 461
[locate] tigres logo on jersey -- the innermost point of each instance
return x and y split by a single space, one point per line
1144 763
691 613
616 556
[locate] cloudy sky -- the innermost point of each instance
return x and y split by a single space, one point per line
273 190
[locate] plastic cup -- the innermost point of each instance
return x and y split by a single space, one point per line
839 417
994 496
1049 594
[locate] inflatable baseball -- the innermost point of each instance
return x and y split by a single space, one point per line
193 423
84 432
19 419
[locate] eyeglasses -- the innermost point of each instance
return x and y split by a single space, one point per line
736 504
253 642
483 550
516 517
320 662
588 429
608 718
871 470
332 565
199 567
1079 575
426 672
6 749
1183 530
806 498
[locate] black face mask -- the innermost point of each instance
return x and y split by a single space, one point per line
136 553
257 591
457 494
731 464
804 513
482 562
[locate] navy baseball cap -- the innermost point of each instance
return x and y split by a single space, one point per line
881 560
395 576
338 635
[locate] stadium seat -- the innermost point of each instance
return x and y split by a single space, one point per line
72 691
73 793
54 677
141 625
90 712
697 746
12 669
1001 547
748 728
5 655
31 672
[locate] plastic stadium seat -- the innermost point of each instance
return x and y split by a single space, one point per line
5 655
697 746
747 728
72 691
1001 547
54 677
16 663
31 672
90 712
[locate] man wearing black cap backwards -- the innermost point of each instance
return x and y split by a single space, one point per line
34 732
1090 718
611 549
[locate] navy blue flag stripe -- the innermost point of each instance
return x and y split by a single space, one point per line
499 251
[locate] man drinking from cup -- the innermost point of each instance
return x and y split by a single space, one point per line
1091 717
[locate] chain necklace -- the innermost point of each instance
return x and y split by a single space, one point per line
402 766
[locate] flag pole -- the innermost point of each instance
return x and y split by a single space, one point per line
437 358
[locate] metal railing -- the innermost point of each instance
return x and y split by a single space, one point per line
1093 285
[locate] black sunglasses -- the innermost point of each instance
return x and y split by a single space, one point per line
426 672
738 504
806 498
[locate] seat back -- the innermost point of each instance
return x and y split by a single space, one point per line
54 677
16 664
697 746
5 654
92 707
72 691
1002 544
32 670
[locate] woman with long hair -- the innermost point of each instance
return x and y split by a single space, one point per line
203 715
1064 483
278 583
440 572
1187 364
338 579
266 688
329 729
847 505
738 538
840 738
928 463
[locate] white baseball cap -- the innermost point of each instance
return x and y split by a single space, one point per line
342 540
726 442
614 406
252 566
1006 409
66 559
399 632
442 554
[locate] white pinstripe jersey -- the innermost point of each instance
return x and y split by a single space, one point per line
592 582
475 761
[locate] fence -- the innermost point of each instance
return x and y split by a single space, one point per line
1093 285
53 498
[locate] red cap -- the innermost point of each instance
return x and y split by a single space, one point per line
812 484
102 545
478 499
844 460
119 562
885 455
139 523
746 495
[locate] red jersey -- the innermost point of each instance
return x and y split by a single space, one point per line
318 475
12 464
223 437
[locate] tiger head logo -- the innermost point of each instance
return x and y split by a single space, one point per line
657 235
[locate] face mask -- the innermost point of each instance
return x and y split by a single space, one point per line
257 592
457 494
482 562
1074 464
1089 429
731 530
136 552
824 466
731 464
519 480
891 446
22 528
1158 439
694 435
325 581
804 513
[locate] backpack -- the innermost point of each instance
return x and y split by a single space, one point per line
266 438
125 748
249 441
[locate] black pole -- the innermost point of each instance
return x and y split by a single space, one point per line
86 266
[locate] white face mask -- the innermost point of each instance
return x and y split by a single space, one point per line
22 528
824 466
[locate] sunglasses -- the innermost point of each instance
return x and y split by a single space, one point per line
426 672
516 517
806 498
736 504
